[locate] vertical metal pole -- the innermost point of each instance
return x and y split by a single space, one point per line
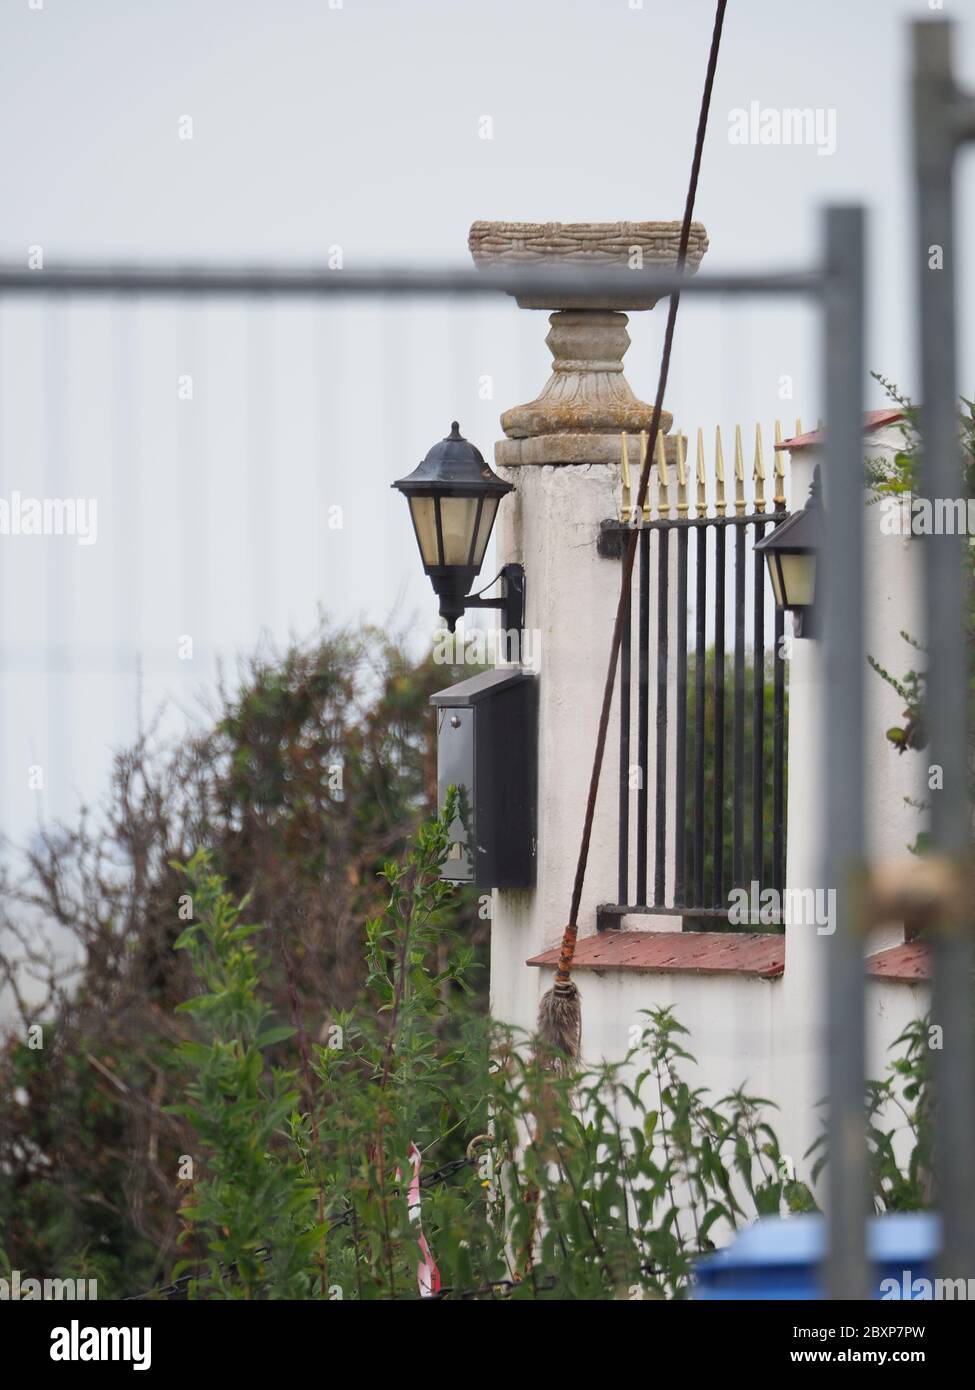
717 890
680 799
700 686
936 127
623 886
758 716
643 719
663 664
738 744
840 575
778 756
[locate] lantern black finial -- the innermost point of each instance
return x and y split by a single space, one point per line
454 431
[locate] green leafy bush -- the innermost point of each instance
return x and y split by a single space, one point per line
899 1127
605 1184
249 1198
311 768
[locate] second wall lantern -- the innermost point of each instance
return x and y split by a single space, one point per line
790 553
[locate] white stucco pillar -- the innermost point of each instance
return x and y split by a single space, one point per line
562 453
571 602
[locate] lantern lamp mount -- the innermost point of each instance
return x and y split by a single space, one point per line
510 602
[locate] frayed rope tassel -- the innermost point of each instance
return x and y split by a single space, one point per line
560 1012
560 1026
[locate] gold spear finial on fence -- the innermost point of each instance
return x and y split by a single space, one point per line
681 476
702 499
644 446
739 473
759 472
626 494
663 497
719 502
778 472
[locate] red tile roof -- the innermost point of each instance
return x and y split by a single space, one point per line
760 954
872 420
908 964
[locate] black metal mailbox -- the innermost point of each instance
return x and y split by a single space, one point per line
487 746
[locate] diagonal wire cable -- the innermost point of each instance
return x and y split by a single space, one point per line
571 931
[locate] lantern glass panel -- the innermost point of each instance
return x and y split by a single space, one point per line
488 512
775 574
423 511
798 579
458 516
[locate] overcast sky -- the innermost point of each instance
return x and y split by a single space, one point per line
361 127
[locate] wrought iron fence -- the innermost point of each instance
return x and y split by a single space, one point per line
718 821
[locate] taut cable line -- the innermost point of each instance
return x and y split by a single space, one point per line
559 1013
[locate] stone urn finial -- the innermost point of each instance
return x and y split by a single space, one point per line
587 402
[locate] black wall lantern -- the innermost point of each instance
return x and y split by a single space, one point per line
790 553
453 497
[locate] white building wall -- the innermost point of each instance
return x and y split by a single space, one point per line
768 1034
892 583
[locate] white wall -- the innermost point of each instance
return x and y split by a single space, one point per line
767 1034
892 585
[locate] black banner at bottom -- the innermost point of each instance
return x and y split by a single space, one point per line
155 1338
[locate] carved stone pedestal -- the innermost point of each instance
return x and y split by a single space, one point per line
587 402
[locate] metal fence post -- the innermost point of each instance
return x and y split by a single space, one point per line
939 113
841 737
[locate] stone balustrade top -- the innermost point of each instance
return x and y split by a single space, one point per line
596 243
626 245
587 402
